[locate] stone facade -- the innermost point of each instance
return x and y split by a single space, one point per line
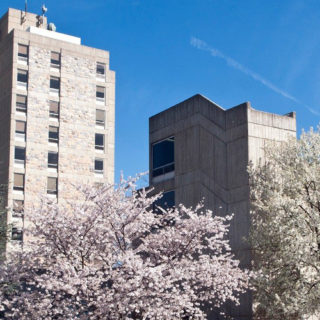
212 149
76 123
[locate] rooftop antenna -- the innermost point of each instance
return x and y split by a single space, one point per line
26 6
44 10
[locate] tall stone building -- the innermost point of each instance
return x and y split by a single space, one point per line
199 150
57 102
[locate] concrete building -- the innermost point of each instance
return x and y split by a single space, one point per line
199 150
57 101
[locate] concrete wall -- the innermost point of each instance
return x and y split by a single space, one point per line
213 147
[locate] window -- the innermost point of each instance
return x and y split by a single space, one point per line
100 116
52 159
98 166
101 70
54 84
100 93
167 201
22 78
163 157
21 103
19 155
16 234
18 181
21 129
55 59
22 53
99 141
52 185
54 109
17 208
53 134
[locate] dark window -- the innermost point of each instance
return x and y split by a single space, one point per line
54 109
101 68
17 208
16 234
100 93
100 116
52 185
55 83
23 52
21 103
163 157
18 181
98 166
22 76
20 127
99 141
53 134
19 155
55 59
52 159
167 201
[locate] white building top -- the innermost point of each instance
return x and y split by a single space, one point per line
54 35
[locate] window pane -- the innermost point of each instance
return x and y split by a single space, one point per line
52 159
100 68
99 141
100 116
18 181
22 50
53 134
18 206
54 106
163 153
100 92
16 234
20 153
98 165
167 201
21 103
55 58
22 76
55 83
52 185
20 127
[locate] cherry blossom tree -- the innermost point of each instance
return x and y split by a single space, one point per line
109 256
285 197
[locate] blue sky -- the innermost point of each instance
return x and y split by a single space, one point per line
265 52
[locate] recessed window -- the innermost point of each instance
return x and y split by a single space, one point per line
100 93
18 181
53 134
100 117
54 84
55 59
98 166
101 69
19 155
21 103
52 159
54 109
22 53
52 186
22 78
163 157
165 202
21 129
16 234
17 208
99 141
